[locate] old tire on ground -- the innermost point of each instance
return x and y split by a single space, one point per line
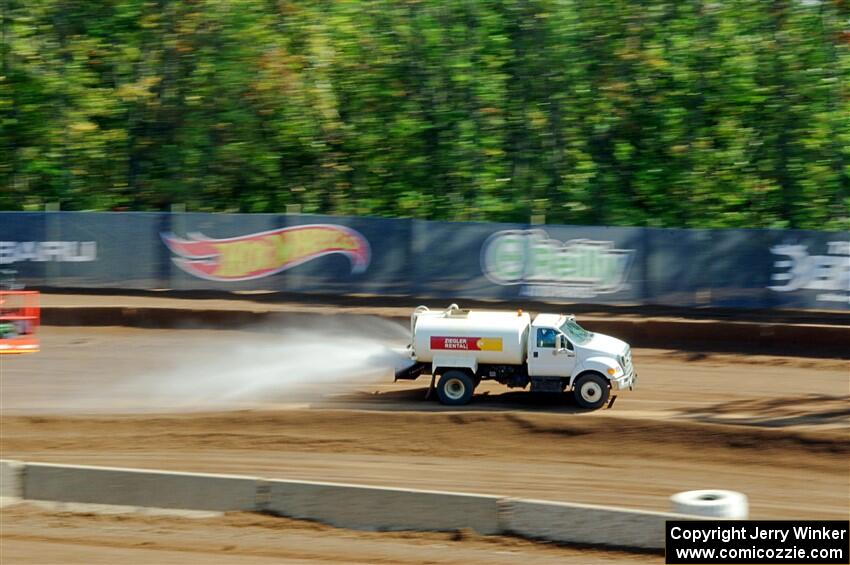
591 391
712 503
455 388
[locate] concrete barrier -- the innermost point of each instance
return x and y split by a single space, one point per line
11 480
341 505
585 524
138 487
382 509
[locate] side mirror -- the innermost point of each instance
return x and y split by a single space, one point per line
562 345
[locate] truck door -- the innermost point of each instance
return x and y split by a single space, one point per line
544 359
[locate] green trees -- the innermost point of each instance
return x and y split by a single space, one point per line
690 113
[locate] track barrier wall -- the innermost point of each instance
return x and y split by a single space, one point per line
583 524
342 505
383 509
137 487
754 269
11 479
703 335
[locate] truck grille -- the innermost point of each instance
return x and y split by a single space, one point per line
627 358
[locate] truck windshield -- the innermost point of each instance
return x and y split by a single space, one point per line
575 332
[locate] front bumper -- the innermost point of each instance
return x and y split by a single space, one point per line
625 382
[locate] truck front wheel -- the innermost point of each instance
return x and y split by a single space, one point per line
591 391
455 388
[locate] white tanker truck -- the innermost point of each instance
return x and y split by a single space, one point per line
552 354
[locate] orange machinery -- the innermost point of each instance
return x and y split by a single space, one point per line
20 315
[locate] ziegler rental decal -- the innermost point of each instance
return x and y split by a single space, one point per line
466 343
579 268
262 254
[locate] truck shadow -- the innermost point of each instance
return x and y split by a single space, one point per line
782 412
414 399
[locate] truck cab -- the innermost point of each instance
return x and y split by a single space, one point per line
590 363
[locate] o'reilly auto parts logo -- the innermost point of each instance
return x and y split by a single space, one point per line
263 254
579 268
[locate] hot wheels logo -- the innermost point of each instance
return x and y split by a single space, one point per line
262 254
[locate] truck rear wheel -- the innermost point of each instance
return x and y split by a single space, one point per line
591 391
455 388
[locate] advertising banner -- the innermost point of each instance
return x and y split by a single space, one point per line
809 270
452 261
699 268
555 263
448 260
576 263
83 250
24 247
356 255
114 247
288 253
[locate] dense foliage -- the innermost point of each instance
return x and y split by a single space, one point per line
661 113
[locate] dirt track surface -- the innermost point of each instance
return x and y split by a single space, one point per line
33 535
775 428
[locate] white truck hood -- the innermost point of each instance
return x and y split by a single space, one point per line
604 344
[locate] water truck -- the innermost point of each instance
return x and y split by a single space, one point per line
552 353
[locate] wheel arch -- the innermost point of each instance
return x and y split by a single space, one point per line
598 365
585 372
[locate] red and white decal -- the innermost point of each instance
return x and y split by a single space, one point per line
466 343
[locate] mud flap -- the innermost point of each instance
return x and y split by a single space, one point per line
430 390
611 402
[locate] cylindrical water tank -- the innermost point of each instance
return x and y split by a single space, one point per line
497 338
